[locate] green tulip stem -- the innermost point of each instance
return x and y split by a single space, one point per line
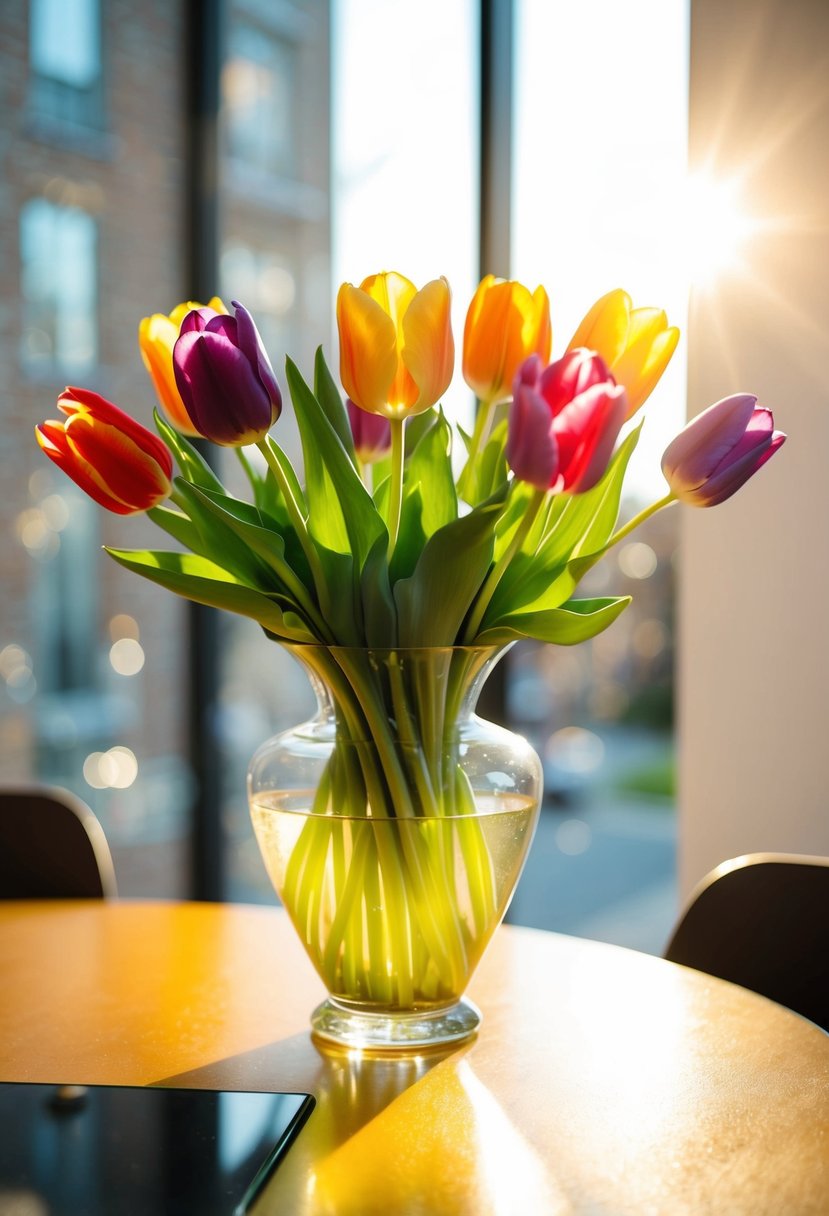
296 516
499 569
483 419
398 453
634 523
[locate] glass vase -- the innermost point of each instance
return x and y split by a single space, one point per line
394 826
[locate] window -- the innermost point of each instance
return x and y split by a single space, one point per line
66 85
258 87
58 253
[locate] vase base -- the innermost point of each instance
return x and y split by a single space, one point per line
394 1032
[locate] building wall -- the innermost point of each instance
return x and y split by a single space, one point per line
754 660
128 176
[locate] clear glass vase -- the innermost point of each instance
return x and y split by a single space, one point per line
394 826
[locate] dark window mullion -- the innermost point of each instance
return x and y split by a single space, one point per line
204 23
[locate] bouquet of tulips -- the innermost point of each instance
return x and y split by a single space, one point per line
378 545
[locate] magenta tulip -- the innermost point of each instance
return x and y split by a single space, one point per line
371 433
564 422
719 450
225 378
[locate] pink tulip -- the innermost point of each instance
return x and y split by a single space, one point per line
564 421
719 450
371 433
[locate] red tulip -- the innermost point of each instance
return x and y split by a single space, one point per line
114 459
564 421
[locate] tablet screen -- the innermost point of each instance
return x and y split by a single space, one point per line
115 1151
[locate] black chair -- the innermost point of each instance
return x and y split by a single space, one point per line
762 921
51 846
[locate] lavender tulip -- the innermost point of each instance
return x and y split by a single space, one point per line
719 450
225 378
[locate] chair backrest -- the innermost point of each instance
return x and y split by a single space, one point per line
51 846
762 921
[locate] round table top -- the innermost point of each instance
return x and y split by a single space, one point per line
602 1080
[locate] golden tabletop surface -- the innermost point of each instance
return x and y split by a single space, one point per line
602 1081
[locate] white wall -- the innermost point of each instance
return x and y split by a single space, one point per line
754 602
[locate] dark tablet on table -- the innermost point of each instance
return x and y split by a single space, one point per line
128 1151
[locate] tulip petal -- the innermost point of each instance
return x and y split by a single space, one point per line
116 463
368 349
532 448
721 488
605 327
428 348
73 401
695 453
52 439
252 347
586 431
156 338
641 366
220 389
393 292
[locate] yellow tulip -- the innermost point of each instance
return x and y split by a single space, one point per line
505 324
157 335
635 343
396 349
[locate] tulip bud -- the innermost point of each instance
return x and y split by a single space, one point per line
564 422
371 433
115 460
225 378
396 348
719 450
505 324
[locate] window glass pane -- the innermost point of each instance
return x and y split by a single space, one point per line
65 40
58 248
258 89
600 151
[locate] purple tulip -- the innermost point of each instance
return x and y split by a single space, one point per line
719 450
371 432
564 421
225 377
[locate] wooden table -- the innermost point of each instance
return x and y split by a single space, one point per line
602 1081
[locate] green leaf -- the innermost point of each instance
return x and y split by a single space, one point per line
379 611
179 526
259 535
429 498
266 492
198 579
434 601
575 525
194 468
576 621
331 480
220 540
328 395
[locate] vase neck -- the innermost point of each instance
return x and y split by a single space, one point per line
427 689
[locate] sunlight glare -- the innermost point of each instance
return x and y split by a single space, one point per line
718 227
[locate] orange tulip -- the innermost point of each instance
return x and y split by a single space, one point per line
635 343
157 335
505 324
115 460
396 349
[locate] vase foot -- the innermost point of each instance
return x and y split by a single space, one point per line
393 1032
